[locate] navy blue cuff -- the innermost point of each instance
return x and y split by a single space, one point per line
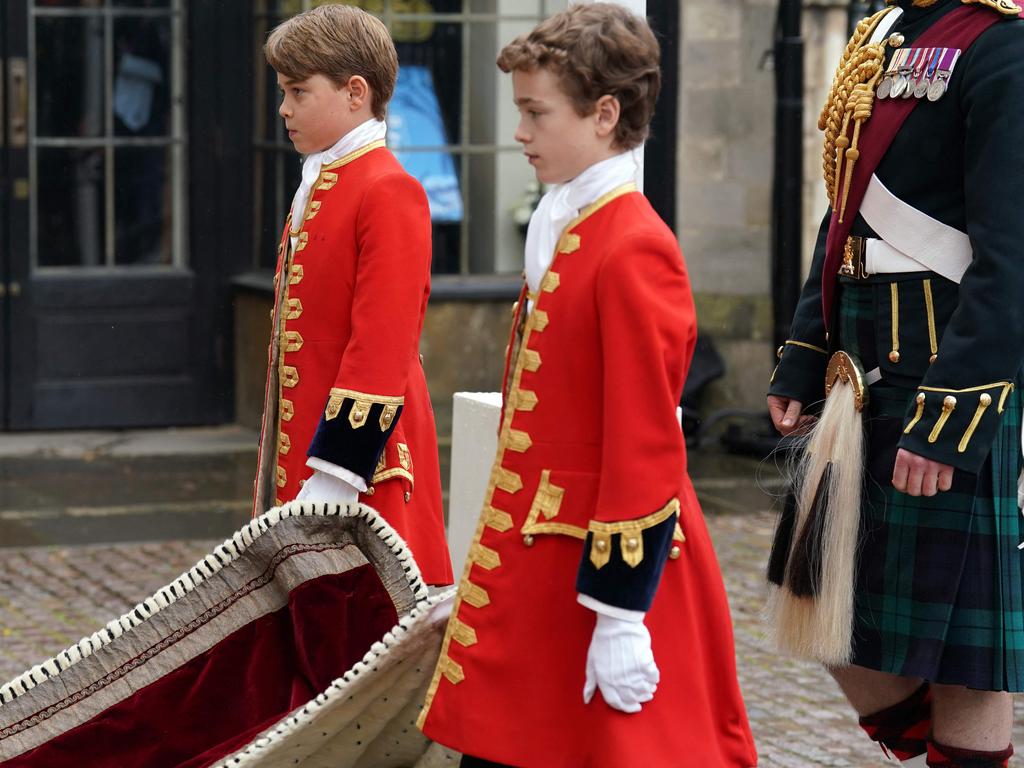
623 561
354 429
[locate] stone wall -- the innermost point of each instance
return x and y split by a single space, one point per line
724 176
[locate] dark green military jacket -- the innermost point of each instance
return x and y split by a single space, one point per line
961 161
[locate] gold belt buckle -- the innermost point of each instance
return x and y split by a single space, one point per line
853 258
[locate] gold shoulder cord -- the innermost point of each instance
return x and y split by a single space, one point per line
852 97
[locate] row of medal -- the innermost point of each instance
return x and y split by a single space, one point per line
918 72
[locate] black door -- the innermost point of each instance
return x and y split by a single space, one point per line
109 323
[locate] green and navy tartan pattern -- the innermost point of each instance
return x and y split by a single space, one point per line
940 586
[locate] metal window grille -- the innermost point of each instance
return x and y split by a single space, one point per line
100 18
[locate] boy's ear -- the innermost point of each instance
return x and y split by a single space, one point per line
606 113
358 91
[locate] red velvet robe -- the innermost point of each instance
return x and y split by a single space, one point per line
345 381
590 448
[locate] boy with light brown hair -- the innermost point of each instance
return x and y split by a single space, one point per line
591 626
347 414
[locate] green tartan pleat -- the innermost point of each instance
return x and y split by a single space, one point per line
940 586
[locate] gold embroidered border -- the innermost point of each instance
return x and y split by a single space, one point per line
387 474
948 404
497 519
984 401
639 524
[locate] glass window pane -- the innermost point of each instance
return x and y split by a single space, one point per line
142 205
142 93
69 76
70 205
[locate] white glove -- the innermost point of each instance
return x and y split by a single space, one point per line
620 662
324 487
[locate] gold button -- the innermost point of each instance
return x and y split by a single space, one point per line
600 545
674 553
894 356
896 40
357 414
933 358
778 352
632 544
370 491
528 540
407 497
920 398
986 399
949 402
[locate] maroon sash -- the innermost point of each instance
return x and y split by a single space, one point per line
957 29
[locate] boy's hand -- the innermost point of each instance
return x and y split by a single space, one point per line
785 413
917 476
621 664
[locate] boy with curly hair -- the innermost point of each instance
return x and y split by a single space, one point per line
591 626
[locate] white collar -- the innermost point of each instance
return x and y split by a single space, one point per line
365 133
563 202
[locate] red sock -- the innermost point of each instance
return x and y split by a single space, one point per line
902 729
941 756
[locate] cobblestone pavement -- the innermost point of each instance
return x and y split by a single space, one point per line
52 596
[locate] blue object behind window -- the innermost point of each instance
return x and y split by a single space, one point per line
414 120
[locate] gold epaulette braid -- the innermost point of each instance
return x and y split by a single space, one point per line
851 97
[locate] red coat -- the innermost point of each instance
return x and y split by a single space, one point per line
345 381
590 447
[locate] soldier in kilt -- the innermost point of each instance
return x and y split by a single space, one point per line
918 275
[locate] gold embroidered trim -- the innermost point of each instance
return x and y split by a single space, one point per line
282 477
486 558
640 524
313 209
404 457
917 415
948 404
497 519
519 441
295 275
600 550
303 241
523 400
376 399
560 529
326 181
451 670
290 376
475 595
546 501
1005 7
569 242
531 360
803 344
539 318
287 410
387 416
632 548
358 414
294 310
929 305
993 385
387 474
1002 398
984 401
894 355
677 534
284 444
508 481
463 634
292 341
550 282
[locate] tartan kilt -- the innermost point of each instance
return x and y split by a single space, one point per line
940 580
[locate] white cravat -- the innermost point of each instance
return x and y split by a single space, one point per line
562 203
363 134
